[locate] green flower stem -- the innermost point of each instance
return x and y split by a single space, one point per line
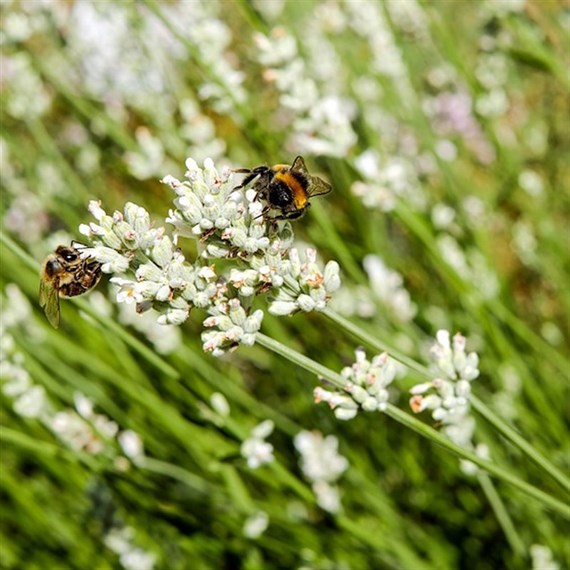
49 146
430 433
502 515
419 427
296 357
198 484
25 257
478 405
520 442
38 447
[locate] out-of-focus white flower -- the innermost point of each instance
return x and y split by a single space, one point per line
320 123
255 525
32 403
542 558
83 405
148 160
451 113
26 218
255 449
481 450
131 444
356 300
322 465
26 97
388 286
220 404
531 183
121 542
471 266
410 17
74 431
320 459
386 181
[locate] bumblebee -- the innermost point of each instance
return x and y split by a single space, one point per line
285 189
65 274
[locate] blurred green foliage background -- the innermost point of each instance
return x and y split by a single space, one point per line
443 128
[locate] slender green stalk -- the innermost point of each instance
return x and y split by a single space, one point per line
45 448
520 442
306 363
419 427
196 483
19 252
491 468
502 515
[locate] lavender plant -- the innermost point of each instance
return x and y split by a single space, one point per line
443 133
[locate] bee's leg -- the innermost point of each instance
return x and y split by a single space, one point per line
247 180
263 213
294 215
251 175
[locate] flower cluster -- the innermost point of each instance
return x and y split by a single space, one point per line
542 558
321 464
228 223
305 286
121 542
255 449
366 387
387 180
388 286
256 524
321 122
447 395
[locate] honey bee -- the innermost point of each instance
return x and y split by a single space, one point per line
284 188
65 274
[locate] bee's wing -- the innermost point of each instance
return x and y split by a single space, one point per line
49 301
299 164
318 187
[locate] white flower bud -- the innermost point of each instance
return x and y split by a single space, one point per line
174 183
344 414
359 394
370 404
282 308
442 337
263 430
96 211
421 388
305 303
332 277
439 414
463 389
172 317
